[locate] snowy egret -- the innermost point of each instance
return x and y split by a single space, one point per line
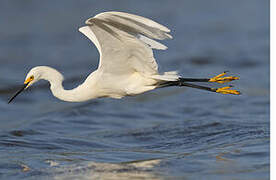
127 66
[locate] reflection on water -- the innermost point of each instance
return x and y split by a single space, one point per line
170 133
131 170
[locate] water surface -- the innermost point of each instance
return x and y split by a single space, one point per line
173 133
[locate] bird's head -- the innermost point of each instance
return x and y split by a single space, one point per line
34 75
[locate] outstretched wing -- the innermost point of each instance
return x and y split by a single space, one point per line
125 42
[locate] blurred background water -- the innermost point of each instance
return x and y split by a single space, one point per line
173 133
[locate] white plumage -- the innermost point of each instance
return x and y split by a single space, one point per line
127 66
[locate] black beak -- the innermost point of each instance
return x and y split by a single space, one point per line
18 92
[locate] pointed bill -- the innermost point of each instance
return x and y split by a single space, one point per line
18 92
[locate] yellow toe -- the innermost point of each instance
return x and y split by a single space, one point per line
227 90
220 79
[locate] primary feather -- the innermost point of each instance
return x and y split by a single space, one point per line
125 42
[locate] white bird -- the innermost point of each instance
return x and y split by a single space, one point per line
127 66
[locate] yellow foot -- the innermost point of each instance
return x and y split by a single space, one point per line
227 90
220 79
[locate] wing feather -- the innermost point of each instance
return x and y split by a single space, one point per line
125 41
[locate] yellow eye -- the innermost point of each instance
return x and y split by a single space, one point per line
29 79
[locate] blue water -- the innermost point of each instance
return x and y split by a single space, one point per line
172 133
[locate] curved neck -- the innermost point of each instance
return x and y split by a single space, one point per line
78 94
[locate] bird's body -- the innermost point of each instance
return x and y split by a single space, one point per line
127 65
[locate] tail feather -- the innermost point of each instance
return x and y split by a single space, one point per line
167 76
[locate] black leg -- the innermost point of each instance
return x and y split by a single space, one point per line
218 79
197 86
223 90
194 80
182 82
